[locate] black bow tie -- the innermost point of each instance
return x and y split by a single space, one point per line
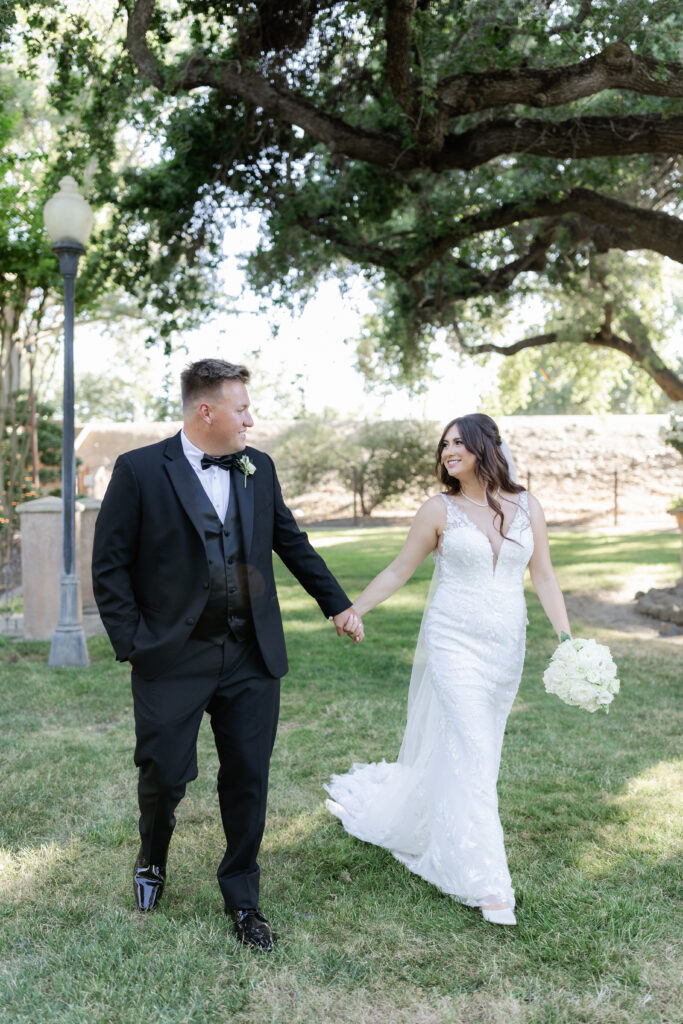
224 461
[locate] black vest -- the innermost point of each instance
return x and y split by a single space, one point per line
228 609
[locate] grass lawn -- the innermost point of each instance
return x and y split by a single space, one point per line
588 803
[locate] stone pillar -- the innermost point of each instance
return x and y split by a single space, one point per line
91 508
41 564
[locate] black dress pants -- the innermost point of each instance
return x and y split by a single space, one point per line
231 683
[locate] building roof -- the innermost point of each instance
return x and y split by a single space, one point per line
101 442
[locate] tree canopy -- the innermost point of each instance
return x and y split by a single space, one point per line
463 155
114 282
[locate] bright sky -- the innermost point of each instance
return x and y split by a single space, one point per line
318 344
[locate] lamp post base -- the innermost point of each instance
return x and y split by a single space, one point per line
68 648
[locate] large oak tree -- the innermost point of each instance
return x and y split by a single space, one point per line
462 153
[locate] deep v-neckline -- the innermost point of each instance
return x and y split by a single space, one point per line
470 522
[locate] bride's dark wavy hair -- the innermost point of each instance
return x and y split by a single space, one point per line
482 437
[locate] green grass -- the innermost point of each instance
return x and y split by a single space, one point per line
607 559
588 804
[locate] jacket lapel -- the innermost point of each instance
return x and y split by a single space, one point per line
184 480
245 504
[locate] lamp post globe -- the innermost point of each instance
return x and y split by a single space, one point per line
68 216
68 220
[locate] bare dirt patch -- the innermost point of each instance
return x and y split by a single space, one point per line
617 609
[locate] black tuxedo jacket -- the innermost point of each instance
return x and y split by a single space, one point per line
150 569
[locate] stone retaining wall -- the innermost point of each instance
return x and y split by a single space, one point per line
569 462
575 465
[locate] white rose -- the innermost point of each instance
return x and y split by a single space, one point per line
582 693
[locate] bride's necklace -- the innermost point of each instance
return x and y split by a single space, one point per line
481 504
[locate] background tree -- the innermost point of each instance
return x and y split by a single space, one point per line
30 311
127 385
47 109
377 461
390 461
569 377
459 155
309 452
673 433
15 447
32 430
562 380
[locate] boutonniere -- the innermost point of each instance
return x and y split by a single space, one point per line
246 467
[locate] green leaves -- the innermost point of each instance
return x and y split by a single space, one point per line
379 460
344 130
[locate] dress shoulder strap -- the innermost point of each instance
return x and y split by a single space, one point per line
453 514
524 520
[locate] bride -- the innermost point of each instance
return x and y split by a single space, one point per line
436 807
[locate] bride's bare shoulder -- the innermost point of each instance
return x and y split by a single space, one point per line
433 510
435 503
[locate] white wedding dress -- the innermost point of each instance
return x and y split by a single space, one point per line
436 808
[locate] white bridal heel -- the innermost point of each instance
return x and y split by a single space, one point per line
499 915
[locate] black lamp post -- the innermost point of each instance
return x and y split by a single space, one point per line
68 220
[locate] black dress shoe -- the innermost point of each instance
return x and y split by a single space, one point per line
148 883
252 928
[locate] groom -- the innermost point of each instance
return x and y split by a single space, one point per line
183 578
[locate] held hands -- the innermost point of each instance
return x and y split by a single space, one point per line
350 623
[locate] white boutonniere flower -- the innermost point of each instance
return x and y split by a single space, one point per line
246 467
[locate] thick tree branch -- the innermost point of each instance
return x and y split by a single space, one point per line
357 250
470 282
617 67
537 341
139 21
399 17
474 282
571 26
630 227
409 120
641 353
408 91
229 79
577 138
609 223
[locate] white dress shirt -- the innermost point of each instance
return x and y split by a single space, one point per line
214 480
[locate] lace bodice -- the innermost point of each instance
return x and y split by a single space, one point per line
467 558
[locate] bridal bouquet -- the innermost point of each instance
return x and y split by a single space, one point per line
582 673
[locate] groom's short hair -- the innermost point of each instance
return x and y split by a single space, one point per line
207 375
